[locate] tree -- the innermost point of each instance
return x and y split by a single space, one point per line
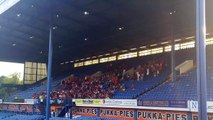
11 79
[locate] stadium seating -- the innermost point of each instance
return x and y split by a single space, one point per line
106 84
180 90
25 117
4 115
150 88
17 116
27 94
184 88
140 87
109 74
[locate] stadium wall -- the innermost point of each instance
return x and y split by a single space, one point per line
130 109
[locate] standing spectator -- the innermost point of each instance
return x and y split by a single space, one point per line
138 76
123 74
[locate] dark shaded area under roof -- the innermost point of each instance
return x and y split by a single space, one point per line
107 25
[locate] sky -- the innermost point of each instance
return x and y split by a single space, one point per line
7 68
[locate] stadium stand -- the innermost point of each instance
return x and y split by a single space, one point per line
185 87
140 87
182 89
119 54
135 80
26 94
121 82
127 88
113 82
143 82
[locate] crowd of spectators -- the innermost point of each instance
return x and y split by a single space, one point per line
98 85
103 85
153 68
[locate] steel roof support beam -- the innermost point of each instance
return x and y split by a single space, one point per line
201 58
49 67
172 14
49 74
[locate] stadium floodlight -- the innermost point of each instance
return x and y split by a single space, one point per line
6 4
107 54
133 49
153 45
143 47
162 43
177 40
191 37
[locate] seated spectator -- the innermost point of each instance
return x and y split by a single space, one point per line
122 87
141 76
132 87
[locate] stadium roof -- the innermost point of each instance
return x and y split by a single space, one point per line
83 28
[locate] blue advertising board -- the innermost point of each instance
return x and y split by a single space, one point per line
161 103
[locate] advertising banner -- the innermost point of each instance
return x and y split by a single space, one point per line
84 111
26 108
4 107
54 108
210 107
22 107
117 102
174 103
88 101
13 107
18 100
161 115
194 106
195 116
123 114
30 101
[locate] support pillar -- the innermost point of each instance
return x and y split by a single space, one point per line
201 58
172 14
49 74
